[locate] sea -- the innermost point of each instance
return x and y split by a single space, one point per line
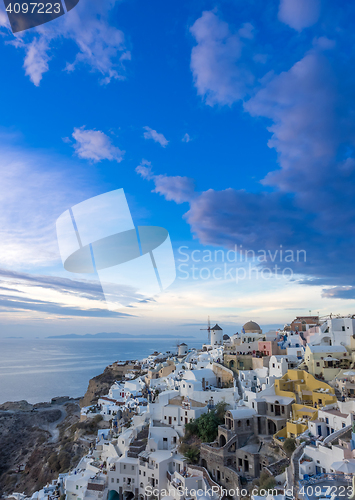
39 369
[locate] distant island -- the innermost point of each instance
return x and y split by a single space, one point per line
13 337
108 335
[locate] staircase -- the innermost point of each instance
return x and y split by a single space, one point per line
295 464
138 444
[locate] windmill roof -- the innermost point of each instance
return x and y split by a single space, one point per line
216 327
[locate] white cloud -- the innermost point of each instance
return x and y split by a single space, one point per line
186 138
153 134
218 73
36 60
145 169
100 46
95 145
299 14
246 31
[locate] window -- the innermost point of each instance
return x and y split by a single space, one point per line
165 439
165 417
175 418
327 420
112 479
318 363
117 480
272 407
282 409
343 328
132 467
144 473
140 472
124 466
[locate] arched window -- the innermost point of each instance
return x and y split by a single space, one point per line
239 423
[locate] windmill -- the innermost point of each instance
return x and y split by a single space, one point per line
208 329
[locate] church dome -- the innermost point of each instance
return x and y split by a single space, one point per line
252 327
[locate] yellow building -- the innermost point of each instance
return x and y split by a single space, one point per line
305 389
309 394
298 421
326 360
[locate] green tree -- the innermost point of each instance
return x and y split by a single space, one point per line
220 411
289 446
192 454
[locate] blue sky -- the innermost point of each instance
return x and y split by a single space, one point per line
240 115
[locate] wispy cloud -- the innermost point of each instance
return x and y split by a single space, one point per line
100 46
55 295
95 145
175 188
11 303
186 138
156 136
35 190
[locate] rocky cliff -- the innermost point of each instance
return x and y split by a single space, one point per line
100 385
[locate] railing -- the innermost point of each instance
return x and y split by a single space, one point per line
345 478
208 478
335 435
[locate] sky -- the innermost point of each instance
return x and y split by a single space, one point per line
229 123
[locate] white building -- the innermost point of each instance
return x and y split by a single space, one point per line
182 349
334 331
216 335
279 364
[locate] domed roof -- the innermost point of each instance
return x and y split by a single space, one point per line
251 326
226 337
